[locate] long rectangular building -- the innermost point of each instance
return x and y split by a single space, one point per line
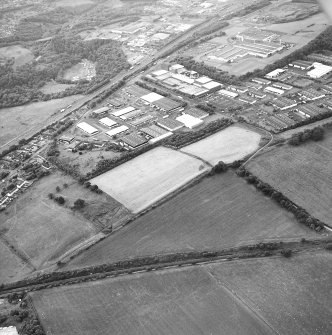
116 131
123 111
87 128
107 122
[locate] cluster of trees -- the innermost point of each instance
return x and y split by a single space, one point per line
79 204
220 167
4 174
180 139
315 134
34 171
301 214
207 70
93 188
23 84
57 198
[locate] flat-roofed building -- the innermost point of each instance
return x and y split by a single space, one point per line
123 111
193 90
254 86
183 78
212 85
159 73
197 113
167 105
284 103
274 74
152 97
115 103
108 122
117 130
274 90
282 86
87 128
239 89
133 141
261 81
228 94
301 64
203 80
311 94
101 111
247 99
11 330
319 70
154 131
142 120
176 68
170 124
137 91
256 94
189 121
132 115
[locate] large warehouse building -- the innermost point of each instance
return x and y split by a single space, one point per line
87 128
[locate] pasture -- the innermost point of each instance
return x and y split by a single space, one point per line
291 295
179 302
302 173
228 145
16 121
43 230
22 55
144 180
219 212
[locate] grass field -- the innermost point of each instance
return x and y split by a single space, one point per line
221 211
149 177
178 302
292 295
43 230
302 173
17 120
54 87
228 145
21 54
12 267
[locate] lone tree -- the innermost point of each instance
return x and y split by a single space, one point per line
220 167
58 189
60 200
79 203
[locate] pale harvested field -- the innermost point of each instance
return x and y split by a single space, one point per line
292 295
43 230
12 268
227 145
175 302
21 54
149 177
303 174
17 120
220 212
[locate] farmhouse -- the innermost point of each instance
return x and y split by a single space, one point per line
107 122
123 111
116 131
87 128
170 124
189 121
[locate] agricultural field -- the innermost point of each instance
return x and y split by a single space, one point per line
21 54
302 173
291 295
179 302
149 177
43 230
12 267
18 120
228 145
219 212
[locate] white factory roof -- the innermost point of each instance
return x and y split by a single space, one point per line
107 122
11 330
183 78
87 128
159 73
116 131
274 90
152 97
176 67
123 111
319 70
228 93
275 73
101 110
203 80
189 121
211 85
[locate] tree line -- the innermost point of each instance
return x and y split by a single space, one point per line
315 134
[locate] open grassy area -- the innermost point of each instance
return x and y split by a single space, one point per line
178 302
291 295
221 211
149 177
17 120
54 87
228 145
21 54
43 230
302 173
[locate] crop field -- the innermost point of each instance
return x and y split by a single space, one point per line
42 230
18 120
149 177
228 145
12 267
179 302
291 295
219 212
21 54
302 173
